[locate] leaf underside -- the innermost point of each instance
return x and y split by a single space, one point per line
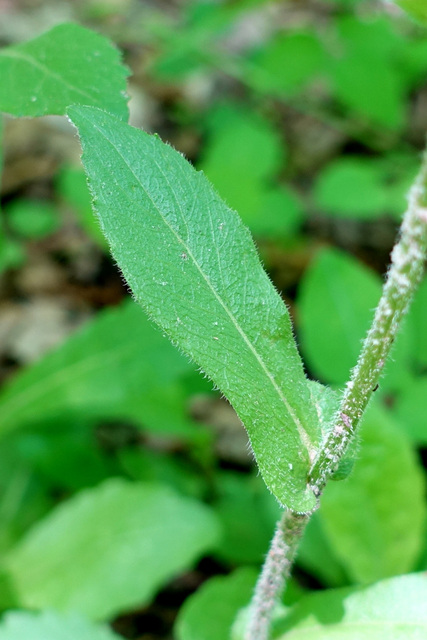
193 266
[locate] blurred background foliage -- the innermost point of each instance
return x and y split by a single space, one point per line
126 480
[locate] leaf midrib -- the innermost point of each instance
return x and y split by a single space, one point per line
302 432
19 55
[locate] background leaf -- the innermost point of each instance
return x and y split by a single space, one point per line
390 610
410 410
286 63
246 539
316 555
374 520
201 279
418 318
72 186
336 299
67 65
210 612
365 188
50 625
255 155
118 365
363 71
125 541
32 218
416 8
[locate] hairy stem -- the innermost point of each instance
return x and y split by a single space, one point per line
405 272
276 569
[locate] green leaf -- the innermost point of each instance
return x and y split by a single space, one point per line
193 266
415 61
279 214
398 370
418 319
416 8
210 612
316 555
393 609
117 366
336 297
1 148
49 625
67 65
72 186
110 549
62 453
250 143
151 466
254 155
351 187
245 539
364 72
24 499
327 402
410 408
12 254
32 218
286 63
375 519
365 188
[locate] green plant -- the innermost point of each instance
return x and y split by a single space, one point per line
202 282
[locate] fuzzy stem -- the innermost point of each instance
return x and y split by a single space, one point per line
277 566
405 272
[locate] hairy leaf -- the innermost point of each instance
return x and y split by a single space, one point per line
327 402
193 266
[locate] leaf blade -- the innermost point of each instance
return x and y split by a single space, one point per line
209 613
219 305
113 367
68 64
23 625
336 297
126 541
375 519
393 609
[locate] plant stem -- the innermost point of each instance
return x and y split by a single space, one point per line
405 272
276 569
